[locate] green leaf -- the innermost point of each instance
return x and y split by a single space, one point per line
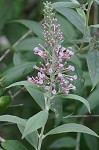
66 4
56 107
97 1
93 101
81 13
35 122
73 17
75 97
29 44
17 59
16 73
67 28
71 127
13 144
23 57
91 141
32 25
95 26
26 83
10 29
74 1
93 65
65 142
32 138
87 80
13 119
37 96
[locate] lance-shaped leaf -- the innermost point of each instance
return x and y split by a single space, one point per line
35 122
16 73
13 144
75 97
93 65
65 142
32 138
93 100
33 26
13 119
56 107
29 44
66 4
26 83
73 17
37 95
91 142
71 127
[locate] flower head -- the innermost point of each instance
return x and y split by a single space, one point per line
52 74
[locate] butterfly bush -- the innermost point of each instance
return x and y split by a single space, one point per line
53 71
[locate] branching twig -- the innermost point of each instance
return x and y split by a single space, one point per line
83 116
16 43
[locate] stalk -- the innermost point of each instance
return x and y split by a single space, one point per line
86 25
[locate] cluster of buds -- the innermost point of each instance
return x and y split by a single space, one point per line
52 32
53 71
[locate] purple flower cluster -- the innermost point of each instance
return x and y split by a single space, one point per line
53 72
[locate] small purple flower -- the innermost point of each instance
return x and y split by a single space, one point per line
47 88
30 79
54 91
60 75
75 77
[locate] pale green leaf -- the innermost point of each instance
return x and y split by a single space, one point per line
17 59
32 138
12 119
10 75
13 144
93 65
37 96
69 31
66 4
73 17
26 83
81 13
87 80
35 122
32 25
56 107
93 101
29 44
74 1
75 97
65 142
91 141
71 127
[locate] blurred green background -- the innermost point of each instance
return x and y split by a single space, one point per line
23 104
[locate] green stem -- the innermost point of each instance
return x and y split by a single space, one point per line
41 138
47 106
86 26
